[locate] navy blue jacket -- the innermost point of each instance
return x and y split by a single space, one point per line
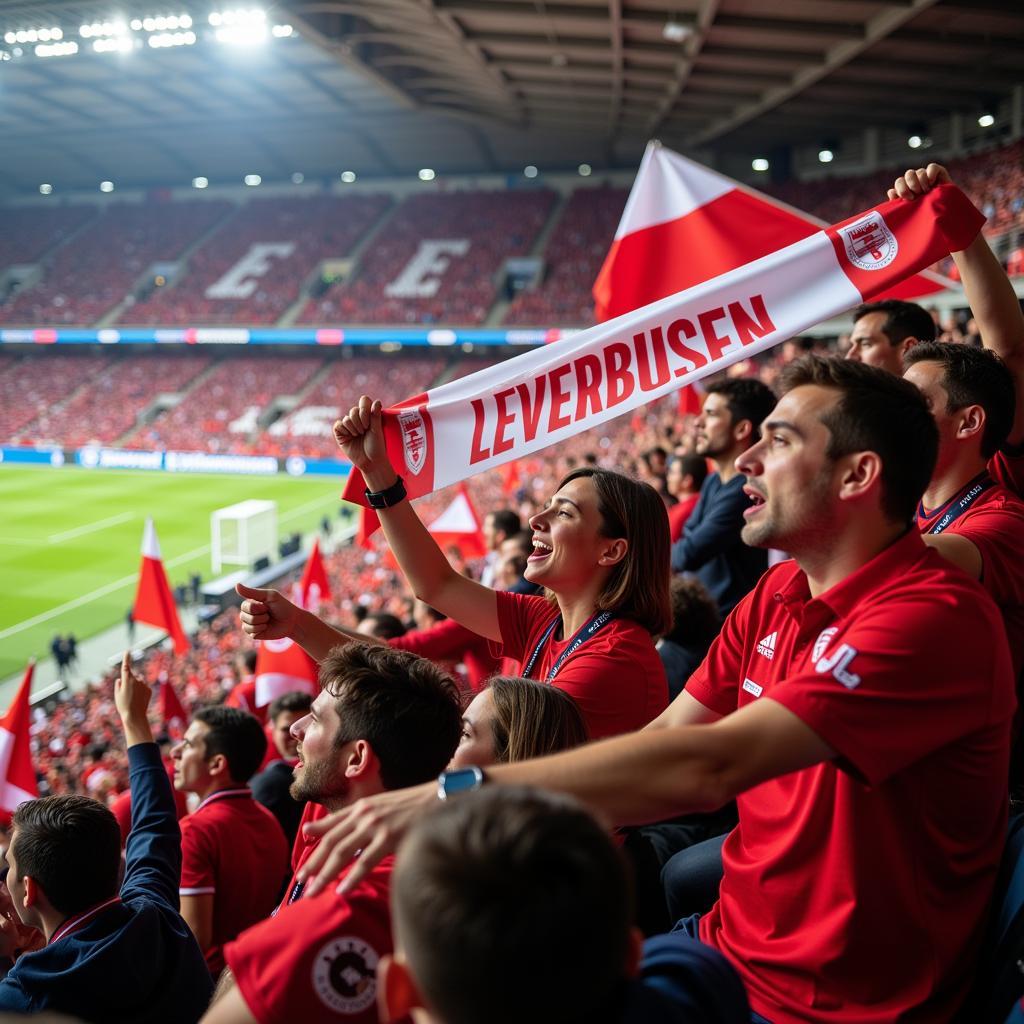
710 547
136 962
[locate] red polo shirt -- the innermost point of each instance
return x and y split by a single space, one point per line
1007 467
679 513
994 523
234 850
316 959
858 890
615 677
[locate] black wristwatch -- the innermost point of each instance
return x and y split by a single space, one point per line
460 780
385 499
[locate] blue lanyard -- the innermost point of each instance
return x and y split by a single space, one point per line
963 501
583 634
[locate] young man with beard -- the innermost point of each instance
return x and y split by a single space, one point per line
710 546
384 719
857 704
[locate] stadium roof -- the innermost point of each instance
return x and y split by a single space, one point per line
384 87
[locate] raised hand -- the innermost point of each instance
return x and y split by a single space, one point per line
916 183
360 435
267 614
132 695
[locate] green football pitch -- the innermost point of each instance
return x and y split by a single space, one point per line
70 541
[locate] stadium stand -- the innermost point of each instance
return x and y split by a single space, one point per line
31 231
232 280
474 231
97 268
31 387
573 256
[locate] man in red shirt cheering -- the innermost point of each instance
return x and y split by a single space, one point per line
857 705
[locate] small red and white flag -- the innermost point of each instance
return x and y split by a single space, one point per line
313 587
17 776
281 667
684 224
154 601
171 710
459 525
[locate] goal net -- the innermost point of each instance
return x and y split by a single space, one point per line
243 533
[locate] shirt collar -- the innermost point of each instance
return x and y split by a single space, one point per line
843 597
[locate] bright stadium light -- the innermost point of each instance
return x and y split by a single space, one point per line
298 178
136 24
986 121
826 156
348 177
65 49
759 164
200 182
10 37
45 189
123 45
529 171
106 186
185 20
915 142
282 31
252 180
427 174
585 170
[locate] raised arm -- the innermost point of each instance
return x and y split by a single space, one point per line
988 290
360 436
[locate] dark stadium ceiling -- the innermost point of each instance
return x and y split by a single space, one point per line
385 87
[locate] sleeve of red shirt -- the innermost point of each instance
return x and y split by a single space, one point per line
1007 467
997 531
716 681
518 617
908 693
197 866
316 960
446 641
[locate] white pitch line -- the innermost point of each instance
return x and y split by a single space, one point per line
109 588
100 524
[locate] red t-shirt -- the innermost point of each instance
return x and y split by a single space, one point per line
316 959
679 513
450 641
1007 468
616 677
233 849
994 523
858 890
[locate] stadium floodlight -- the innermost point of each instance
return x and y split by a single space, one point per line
529 171
282 31
915 142
123 45
106 186
185 20
45 189
64 49
585 170
200 182
427 174
10 37
825 156
252 180
241 35
136 24
759 164
348 177
298 178
161 40
986 121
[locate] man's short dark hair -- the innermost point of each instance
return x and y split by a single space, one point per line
513 905
237 735
385 625
403 705
902 320
506 521
71 846
294 701
747 399
877 412
695 466
973 376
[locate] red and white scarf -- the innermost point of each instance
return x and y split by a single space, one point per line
522 405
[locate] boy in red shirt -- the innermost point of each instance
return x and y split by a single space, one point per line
857 704
384 719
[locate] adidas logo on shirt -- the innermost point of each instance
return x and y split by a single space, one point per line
766 647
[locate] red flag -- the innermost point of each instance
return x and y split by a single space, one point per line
313 587
691 400
154 602
510 478
708 224
368 525
459 524
17 776
170 709
283 666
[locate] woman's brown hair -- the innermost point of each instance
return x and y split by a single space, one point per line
637 587
532 719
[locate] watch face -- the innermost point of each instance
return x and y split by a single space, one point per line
461 779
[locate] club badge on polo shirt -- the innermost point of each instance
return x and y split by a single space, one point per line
837 664
345 975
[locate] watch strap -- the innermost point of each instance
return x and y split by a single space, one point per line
386 498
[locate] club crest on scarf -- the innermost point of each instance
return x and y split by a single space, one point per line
870 245
414 439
